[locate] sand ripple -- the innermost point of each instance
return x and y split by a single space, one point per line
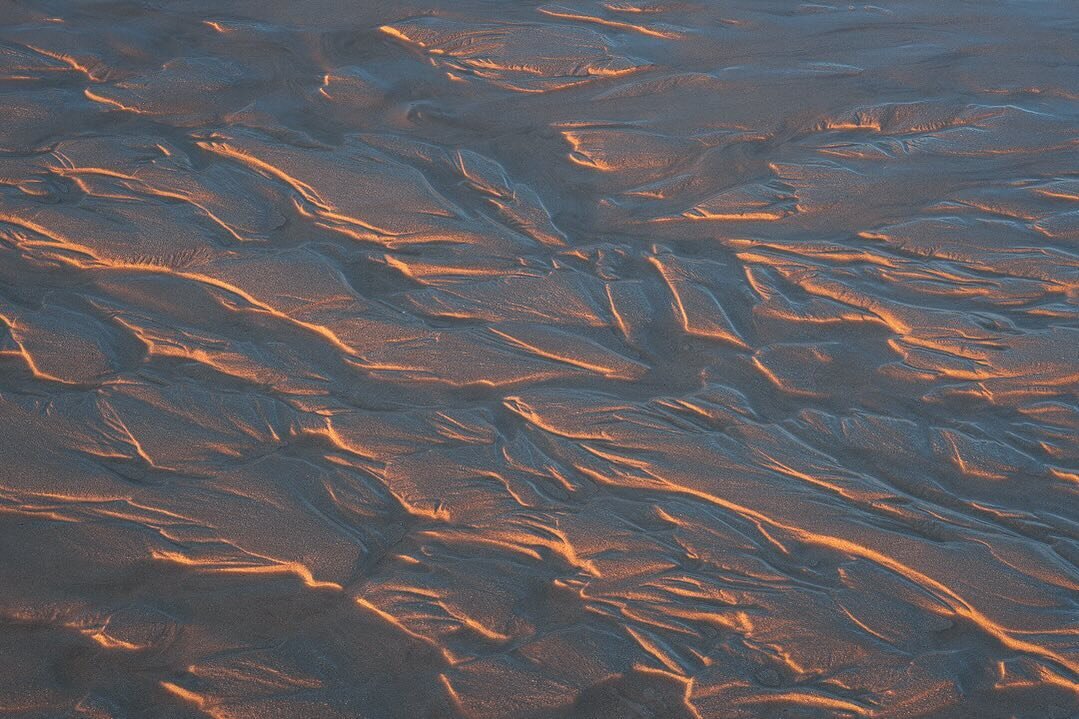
539 360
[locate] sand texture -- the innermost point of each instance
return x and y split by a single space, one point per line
592 359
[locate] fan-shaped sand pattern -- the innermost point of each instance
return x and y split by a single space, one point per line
529 360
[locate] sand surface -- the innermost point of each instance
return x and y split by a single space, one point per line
476 359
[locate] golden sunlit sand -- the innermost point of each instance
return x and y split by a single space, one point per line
419 359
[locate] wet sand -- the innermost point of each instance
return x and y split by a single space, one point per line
531 360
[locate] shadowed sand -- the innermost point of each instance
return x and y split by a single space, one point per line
688 360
